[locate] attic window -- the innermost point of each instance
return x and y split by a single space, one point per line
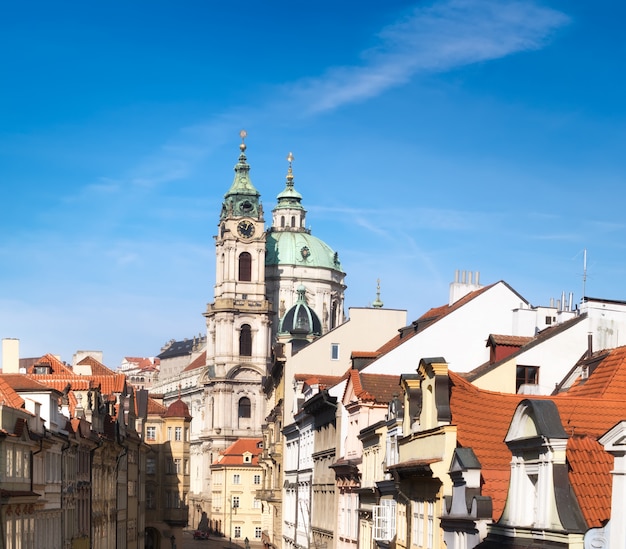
526 375
41 369
247 458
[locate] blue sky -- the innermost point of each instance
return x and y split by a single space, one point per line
428 137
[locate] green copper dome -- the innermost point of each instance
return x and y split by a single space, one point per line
242 199
301 249
301 319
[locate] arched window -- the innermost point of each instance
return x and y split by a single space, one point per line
245 408
245 340
293 221
282 220
245 267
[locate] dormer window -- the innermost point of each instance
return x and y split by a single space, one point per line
247 457
42 369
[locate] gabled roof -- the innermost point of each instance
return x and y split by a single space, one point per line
233 455
590 476
541 337
8 395
155 408
143 363
582 419
55 365
324 381
508 340
607 375
376 388
199 362
21 382
97 368
437 313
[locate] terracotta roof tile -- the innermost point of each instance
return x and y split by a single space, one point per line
483 431
379 388
324 381
233 455
508 340
22 382
97 368
155 408
590 475
178 408
8 395
55 365
199 362
608 377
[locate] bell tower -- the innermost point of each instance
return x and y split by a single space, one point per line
238 320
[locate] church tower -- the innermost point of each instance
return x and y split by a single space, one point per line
239 319
300 267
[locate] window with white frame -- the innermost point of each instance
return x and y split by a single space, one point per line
384 518
256 503
237 531
417 523
334 351
235 502
236 479
257 532
431 525
178 433
257 479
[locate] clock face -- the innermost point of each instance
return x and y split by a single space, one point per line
245 229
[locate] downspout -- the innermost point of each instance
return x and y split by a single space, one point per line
117 465
91 454
63 488
32 460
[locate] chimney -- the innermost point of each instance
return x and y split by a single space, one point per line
10 356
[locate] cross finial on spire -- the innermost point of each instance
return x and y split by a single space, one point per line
179 388
290 159
243 134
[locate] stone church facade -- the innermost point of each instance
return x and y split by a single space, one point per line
262 274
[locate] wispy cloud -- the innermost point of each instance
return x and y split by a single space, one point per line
436 38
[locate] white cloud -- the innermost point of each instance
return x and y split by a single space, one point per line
439 37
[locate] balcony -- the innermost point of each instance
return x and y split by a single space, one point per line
176 517
269 495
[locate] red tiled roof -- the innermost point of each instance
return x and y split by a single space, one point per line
155 408
608 378
437 313
378 388
590 475
233 455
364 354
97 368
56 366
143 363
8 394
178 409
483 431
21 382
324 381
199 362
429 317
508 340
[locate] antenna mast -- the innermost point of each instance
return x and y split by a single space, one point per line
584 271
